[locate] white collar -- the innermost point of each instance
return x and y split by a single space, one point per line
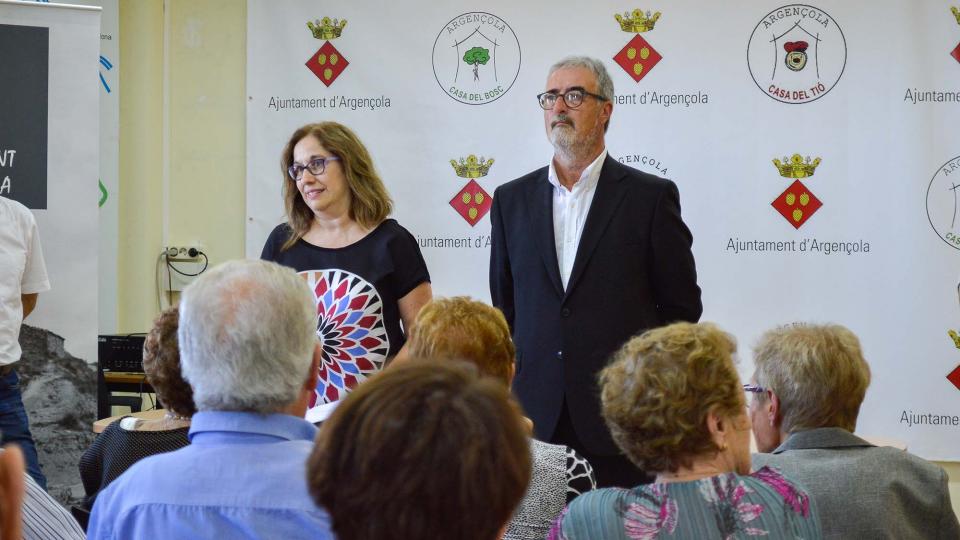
588 178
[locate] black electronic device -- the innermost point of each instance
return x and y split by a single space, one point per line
121 352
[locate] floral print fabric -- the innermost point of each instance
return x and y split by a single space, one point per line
729 506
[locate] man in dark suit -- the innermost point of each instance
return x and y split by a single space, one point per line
585 254
809 383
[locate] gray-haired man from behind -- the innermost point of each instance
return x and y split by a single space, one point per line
809 383
248 348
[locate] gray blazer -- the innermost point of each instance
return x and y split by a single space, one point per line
863 491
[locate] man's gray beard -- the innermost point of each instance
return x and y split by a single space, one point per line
563 139
566 144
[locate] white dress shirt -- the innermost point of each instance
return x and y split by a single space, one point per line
22 271
570 209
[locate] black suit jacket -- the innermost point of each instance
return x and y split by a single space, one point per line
633 270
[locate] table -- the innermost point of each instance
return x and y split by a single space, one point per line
102 423
119 381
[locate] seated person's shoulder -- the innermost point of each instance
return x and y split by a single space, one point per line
854 459
767 460
886 457
605 509
600 502
773 478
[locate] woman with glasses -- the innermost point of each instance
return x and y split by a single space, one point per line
675 406
366 271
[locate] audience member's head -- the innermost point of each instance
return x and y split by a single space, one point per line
248 339
672 398
425 450
808 376
161 365
459 328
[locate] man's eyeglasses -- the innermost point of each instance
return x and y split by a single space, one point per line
573 98
754 389
316 166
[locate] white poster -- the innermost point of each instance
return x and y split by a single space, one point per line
108 186
56 166
815 147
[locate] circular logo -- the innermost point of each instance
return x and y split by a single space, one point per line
796 54
943 202
476 58
353 339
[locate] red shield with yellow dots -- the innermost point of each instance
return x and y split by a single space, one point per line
637 58
472 202
954 377
327 63
797 204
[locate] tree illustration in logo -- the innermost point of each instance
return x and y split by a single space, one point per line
474 57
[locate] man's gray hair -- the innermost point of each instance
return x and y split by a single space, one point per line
604 82
817 371
247 334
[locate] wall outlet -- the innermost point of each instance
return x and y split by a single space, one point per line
183 253
188 260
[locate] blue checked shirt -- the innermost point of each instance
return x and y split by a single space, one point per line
243 476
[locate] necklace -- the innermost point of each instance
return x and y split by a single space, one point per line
173 417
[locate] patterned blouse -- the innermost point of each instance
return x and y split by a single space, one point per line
560 474
117 449
761 504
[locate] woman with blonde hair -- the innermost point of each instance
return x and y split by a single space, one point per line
675 406
462 329
366 271
424 451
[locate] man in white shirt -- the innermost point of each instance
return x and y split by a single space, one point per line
585 253
23 275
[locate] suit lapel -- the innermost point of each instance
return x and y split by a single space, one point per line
541 217
608 196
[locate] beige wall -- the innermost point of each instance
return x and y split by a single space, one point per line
141 179
182 169
182 140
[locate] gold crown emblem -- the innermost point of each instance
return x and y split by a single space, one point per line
325 28
956 13
796 166
638 22
471 167
955 337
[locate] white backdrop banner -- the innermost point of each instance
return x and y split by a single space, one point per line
108 188
815 147
55 165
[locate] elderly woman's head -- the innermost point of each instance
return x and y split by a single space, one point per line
459 328
672 396
817 373
161 364
428 449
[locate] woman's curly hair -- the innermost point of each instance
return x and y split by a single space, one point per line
161 364
659 387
